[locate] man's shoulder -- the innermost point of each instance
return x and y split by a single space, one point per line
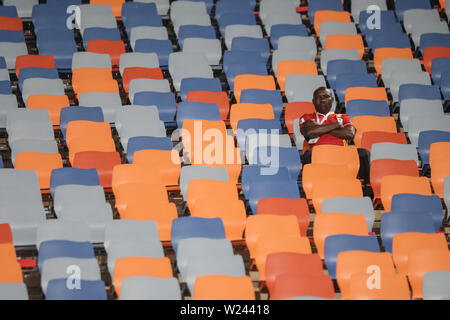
308 116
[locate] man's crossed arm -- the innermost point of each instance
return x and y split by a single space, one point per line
312 130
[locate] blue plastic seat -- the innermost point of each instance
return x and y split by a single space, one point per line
438 67
418 91
419 204
395 222
445 85
402 5
434 40
64 176
55 20
287 157
64 249
426 138
254 175
89 290
209 4
362 107
338 243
390 40
79 113
228 19
164 101
317 5
100 34
11 36
385 29
188 110
5 87
247 127
252 44
234 7
193 31
196 84
260 96
2 63
8 11
274 189
142 21
386 17
51 34
147 143
280 30
27 73
235 57
58 43
194 227
132 9
163 48
350 80
339 66
234 70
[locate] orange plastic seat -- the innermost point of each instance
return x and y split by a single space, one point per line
43 163
345 41
288 67
315 172
242 111
53 104
350 263
337 223
5 234
221 98
404 244
11 24
93 80
10 270
162 213
337 155
116 5
29 61
251 81
280 263
332 188
81 145
394 184
104 162
387 167
202 189
140 266
140 73
269 244
288 286
372 123
440 166
365 93
111 47
218 287
296 110
393 287
322 16
421 262
286 207
369 138
162 163
138 193
385 53
442 3
431 53
134 173
271 226
439 153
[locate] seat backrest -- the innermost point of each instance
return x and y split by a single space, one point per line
248 111
296 110
329 15
370 138
372 123
331 154
225 287
243 81
396 288
389 150
381 54
357 93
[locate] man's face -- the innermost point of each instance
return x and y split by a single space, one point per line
323 101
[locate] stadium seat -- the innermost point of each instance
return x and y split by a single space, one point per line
225 287
397 288
436 285
351 206
219 98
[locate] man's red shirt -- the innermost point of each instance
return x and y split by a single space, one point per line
321 119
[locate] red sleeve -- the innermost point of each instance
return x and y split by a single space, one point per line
346 120
306 117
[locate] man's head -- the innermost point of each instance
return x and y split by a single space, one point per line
322 100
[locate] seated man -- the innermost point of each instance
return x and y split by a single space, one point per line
326 127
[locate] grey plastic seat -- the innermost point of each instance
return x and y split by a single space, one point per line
140 128
240 30
256 140
181 8
393 65
299 139
4 75
24 7
138 59
330 28
194 172
145 32
13 291
447 191
72 194
135 115
11 50
131 230
150 288
110 103
297 43
289 17
336 54
161 5
7 102
211 48
29 115
32 145
96 16
413 17
351 206
55 229
56 268
416 124
270 8
197 19
34 86
179 60
124 249
447 8
227 266
388 150
23 123
436 285
407 77
362 5
419 107
427 26
91 60
141 85
191 71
